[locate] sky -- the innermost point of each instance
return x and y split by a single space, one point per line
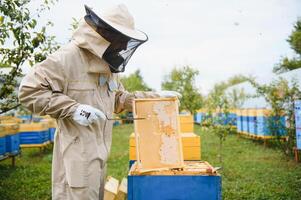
218 38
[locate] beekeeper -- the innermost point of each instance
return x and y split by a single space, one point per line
78 85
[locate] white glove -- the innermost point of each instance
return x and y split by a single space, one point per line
169 94
86 115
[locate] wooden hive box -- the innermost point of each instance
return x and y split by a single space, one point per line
191 144
33 134
186 124
197 180
52 125
122 190
158 139
2 142
12 138
111 188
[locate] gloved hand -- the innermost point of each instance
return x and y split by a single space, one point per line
169 94
86 115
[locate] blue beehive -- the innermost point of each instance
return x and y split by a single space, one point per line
51 134
116 123
252 120
221 118
3 151
265 122
12 139
233 118
298 123
174 187
34 133
278 126
228 118
245 122
298 114
52 127
238 121
198 117
26 118
262 122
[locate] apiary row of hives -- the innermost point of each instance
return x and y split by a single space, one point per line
14 134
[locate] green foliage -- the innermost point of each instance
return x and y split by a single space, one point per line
281 95
294 40
20 42
134 82
234 98
74 24
119 156
218 105
223 85
287 64
218 111
182 81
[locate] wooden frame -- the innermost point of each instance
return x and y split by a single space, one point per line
158 139
190 168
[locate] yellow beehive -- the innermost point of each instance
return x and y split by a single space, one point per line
51 122
252 112
186 123
238 112
9 119
191 144
263 112
245 112
2 131
41 126
11 128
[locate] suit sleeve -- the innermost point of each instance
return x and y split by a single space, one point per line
124 99
41 91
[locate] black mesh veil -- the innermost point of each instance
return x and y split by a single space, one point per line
121 48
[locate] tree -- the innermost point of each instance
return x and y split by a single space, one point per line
281 95
134 82
218 106
182 81
21 43
234 98
294 40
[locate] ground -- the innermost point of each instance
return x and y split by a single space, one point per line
250 170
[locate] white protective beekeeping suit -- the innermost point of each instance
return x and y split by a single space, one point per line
76 75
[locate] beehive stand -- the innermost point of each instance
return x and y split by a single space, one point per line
158 136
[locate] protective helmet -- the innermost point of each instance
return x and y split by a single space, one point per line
117 27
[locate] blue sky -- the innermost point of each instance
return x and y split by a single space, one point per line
219 38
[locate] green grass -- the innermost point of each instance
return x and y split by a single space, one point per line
118 163
250 171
